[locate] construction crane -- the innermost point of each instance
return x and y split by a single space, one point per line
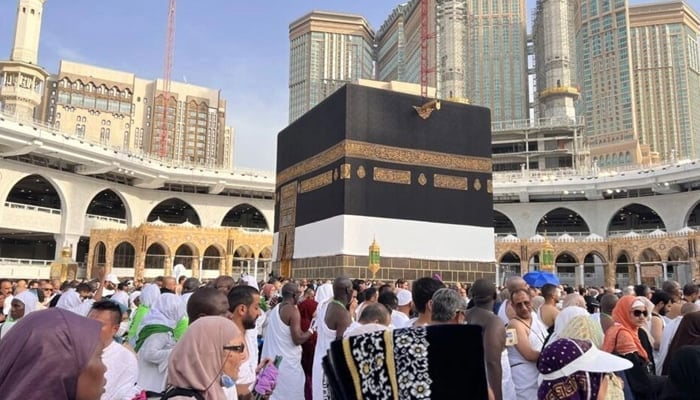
167 70
425 36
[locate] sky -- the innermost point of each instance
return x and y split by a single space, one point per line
240 47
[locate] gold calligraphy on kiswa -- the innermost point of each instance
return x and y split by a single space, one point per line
450 182
316 182
392 176
376 152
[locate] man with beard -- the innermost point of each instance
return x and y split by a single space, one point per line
244 308
662 304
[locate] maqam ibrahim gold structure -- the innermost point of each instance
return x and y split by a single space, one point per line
199 249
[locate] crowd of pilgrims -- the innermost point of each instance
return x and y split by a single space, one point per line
243 339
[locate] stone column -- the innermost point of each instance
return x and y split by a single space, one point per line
109 259
580 277
664 271
140 265
694 269
638 275
524 267
65 239
228 267
168 266
610 274
222 265
196 266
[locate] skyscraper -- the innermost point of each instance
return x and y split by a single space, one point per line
327 50
496 58
555 59
604 73
452 47
666 77
21 79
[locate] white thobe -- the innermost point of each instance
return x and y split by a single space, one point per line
153 361
666 337
278 342
122 373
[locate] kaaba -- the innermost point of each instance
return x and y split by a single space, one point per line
364 166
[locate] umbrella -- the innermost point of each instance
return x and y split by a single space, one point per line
540 278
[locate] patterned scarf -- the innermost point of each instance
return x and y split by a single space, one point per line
580 385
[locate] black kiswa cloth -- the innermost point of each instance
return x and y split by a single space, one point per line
439 362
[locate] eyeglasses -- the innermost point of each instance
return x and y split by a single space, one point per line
522 304
639 313
238 349
47 290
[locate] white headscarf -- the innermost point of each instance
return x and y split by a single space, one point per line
324 293
250 281
167 310
69 300
29 299
563 319
132 298
149 294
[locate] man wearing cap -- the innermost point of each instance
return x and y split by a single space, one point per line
483 294
405 299
109 285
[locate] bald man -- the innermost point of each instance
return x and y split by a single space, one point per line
506 311
332 319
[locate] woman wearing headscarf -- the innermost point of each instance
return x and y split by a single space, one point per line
21 305
563 318
630 314
207 358
583 327
688 333
53 354
572 369
155 341
683 375
149 294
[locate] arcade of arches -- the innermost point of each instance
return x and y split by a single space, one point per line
153 249
624 260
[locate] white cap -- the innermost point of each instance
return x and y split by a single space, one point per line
112 278
404 297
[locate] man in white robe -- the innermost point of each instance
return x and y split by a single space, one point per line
122 367
283 337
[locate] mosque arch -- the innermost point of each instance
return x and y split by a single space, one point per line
156 254
124 255
35 190
174 211
110 204
185 254
502 224
692 216
245 216
562 220
635 217
623 261
99 255
565 262
212 258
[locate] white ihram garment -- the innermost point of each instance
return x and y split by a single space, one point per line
278 342
524 372
122 373
323 343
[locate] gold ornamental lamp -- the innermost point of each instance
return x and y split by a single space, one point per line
374 258
547 257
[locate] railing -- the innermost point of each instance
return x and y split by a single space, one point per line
134 156
524 124
29 207
25 261
527 175
108 219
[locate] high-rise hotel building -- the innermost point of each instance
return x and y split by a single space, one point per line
120 110
666 77
496 57
604 71
327 50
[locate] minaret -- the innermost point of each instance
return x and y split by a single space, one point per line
21 79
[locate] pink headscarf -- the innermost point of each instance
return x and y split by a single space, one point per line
197 359
45 353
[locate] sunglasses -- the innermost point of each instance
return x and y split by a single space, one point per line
639 313
522 304
238 349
